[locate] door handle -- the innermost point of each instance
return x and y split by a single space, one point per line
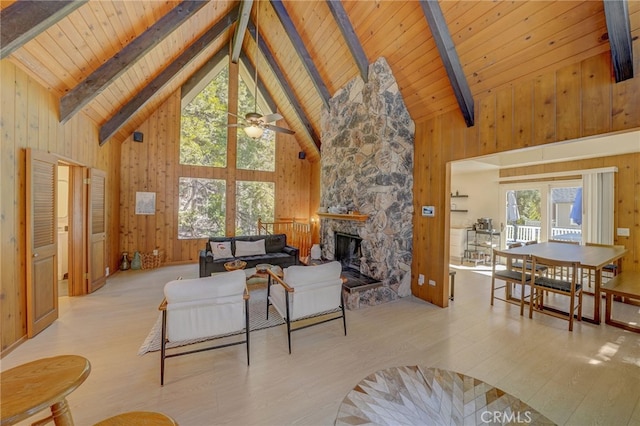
35 254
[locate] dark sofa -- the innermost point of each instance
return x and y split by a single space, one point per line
276 248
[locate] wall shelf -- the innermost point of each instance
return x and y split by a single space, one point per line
459 196
457 210
356 217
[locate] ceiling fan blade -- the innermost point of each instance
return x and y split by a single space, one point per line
269 118
279 129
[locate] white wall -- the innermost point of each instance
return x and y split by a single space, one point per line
483 201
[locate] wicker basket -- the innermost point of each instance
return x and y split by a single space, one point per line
151 260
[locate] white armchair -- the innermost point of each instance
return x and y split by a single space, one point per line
307 292
209 307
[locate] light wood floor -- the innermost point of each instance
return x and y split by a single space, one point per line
590 376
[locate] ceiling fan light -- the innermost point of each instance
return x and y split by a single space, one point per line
254 131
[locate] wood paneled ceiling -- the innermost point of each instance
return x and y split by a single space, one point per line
497 43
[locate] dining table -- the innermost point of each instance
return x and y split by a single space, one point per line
590 257
37 385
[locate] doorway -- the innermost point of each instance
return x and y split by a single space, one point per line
63 230
71 223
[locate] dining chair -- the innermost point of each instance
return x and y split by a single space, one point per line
511 277
563 273
540 269
608 271
577 243
569 287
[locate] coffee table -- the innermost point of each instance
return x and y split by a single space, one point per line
261 273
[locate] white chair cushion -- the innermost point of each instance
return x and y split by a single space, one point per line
205 307
301 275
316 289
223 284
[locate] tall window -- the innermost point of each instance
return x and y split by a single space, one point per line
203 142
254 154
203 132
202 208
254 200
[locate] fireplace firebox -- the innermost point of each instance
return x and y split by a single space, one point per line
348 253
347 250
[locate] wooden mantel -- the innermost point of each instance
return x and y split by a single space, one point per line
356 217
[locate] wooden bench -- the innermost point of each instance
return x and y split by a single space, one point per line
626 285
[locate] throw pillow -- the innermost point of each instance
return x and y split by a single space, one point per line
249 248
221 250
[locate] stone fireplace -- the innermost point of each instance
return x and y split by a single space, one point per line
367 166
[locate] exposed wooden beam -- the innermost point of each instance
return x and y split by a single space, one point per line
301 50
350 36
241 28
619 29
450 59
90 87
261 86
285 85
140 99
25 19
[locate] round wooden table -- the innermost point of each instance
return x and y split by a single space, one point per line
138 418
32 387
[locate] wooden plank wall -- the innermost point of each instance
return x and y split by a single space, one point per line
30 120
153 166
576 101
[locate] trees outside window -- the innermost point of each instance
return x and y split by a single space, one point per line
202 208
203 130
254 200
203 142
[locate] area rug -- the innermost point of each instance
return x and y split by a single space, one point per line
257 321
417 395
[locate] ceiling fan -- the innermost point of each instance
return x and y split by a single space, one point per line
254 124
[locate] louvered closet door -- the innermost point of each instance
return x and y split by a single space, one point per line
42 234
97 230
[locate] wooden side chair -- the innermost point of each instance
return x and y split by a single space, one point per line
608 271
569 287
563 273
540 269
209 308
511 276
577 243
